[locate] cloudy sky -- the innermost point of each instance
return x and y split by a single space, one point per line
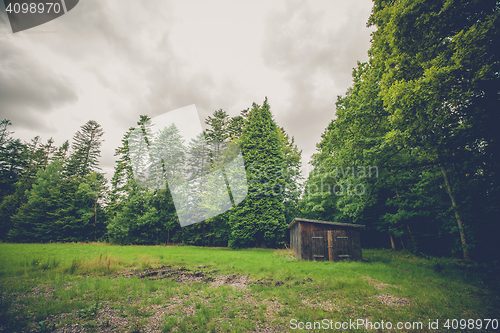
113 60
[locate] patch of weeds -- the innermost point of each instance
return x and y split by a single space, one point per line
202 315
183 327
74 266
44 327
137 327
225 327
158 300
90 326
151 286
105 323
169 322
231 314
90 311
285 312
243 325
211 327
136 311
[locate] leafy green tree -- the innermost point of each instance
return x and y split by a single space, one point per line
418 111
293 175
259 220
441 83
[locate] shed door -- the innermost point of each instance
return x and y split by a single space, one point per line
319 245
341 245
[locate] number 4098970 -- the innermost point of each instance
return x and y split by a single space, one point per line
33 8
471 324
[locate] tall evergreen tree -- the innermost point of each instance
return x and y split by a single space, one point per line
52 211
86 149
22 163
11 161
259 220
142 215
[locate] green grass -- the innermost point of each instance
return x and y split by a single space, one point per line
46 286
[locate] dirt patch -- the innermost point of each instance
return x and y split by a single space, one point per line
109 319
265 281
179 274
44 291
392 301
378 285
182 275
237 282
308 280
325 305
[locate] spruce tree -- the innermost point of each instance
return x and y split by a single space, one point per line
86 149
259 220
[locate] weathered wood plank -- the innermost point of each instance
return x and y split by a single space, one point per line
325 241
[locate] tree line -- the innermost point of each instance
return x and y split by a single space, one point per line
58 194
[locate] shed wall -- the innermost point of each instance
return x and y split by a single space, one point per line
308 248
295 239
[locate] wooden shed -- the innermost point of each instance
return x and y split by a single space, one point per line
323 240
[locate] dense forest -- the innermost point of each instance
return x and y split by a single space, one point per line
422 115
58 194
412 153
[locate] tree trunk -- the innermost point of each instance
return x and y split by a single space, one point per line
457 215
393 245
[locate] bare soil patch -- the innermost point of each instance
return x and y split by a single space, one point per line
392 301
378 285
180 274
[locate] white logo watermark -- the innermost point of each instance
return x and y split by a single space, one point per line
205 178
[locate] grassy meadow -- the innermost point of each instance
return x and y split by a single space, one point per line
106 288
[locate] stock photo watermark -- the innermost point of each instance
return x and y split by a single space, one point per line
341 181
338 180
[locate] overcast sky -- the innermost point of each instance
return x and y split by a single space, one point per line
113 60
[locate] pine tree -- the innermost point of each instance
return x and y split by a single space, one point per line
293 175
11 162
259 220
86 149
143 215
50 213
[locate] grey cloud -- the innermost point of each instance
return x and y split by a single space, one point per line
28 91
309 55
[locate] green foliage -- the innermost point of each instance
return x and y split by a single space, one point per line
142 216
259 220
147 217
57 209
86 149
11 163
423 112
293 175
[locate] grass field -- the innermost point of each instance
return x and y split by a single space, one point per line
105 288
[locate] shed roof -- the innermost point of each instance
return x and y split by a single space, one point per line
325 222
